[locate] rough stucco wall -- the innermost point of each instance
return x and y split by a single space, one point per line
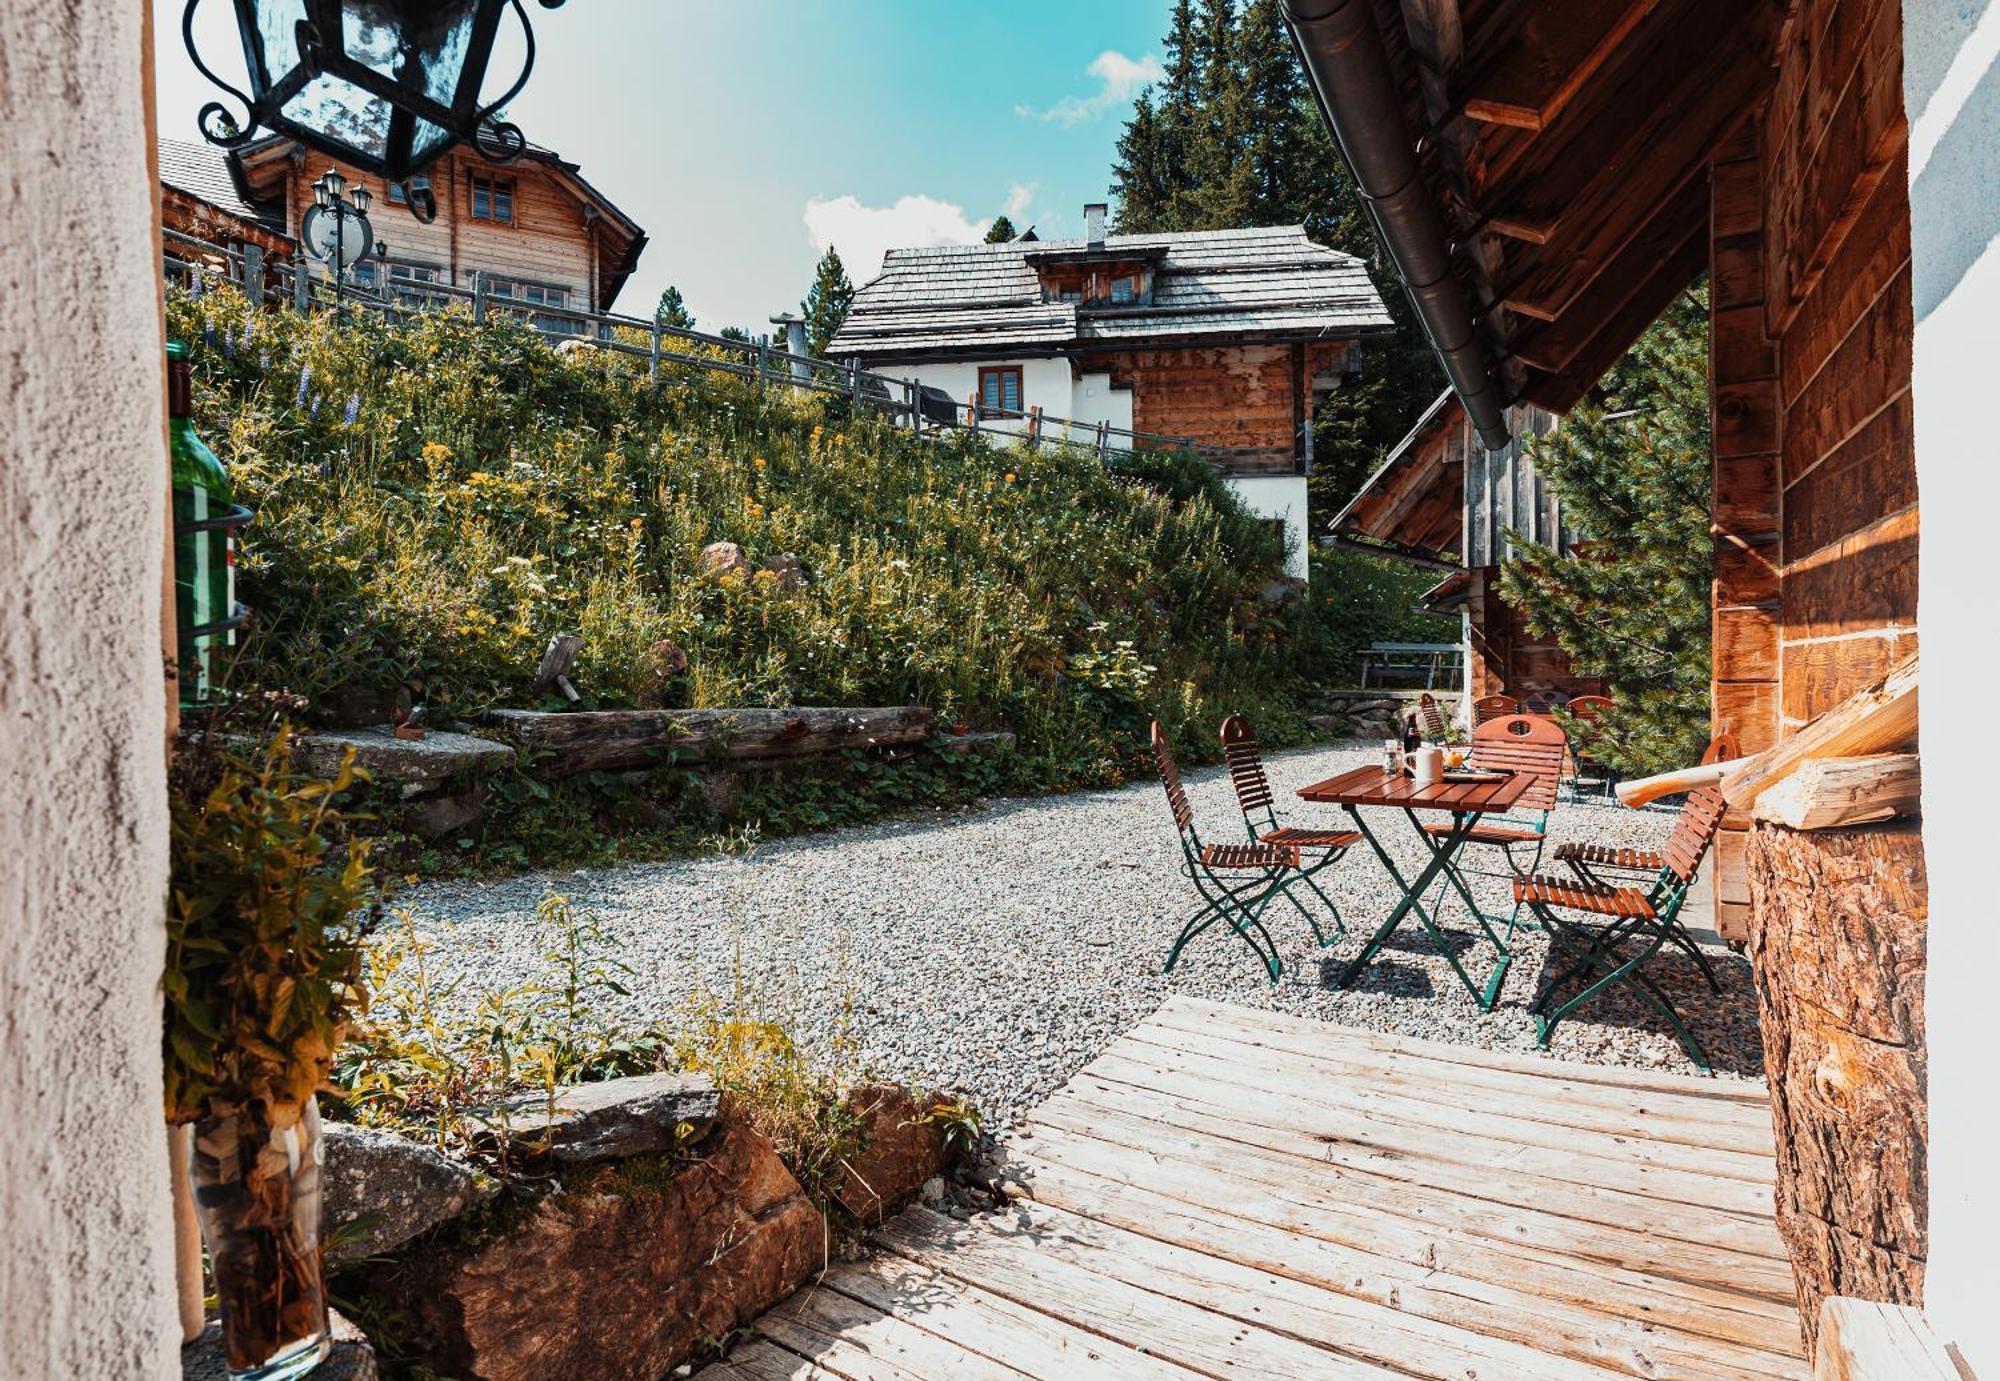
86 1285
1951 89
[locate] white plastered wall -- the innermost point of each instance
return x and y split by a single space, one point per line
86 1270
1952 93
1282 497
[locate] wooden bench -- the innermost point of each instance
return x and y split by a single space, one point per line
1413 659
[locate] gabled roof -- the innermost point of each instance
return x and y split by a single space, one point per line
202 171
1267 283
1413 505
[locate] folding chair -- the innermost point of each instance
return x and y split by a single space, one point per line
1584 710
1260 821
1493 707
1591 863
1235 881
1544 702
1609 931
1516 743
1431 718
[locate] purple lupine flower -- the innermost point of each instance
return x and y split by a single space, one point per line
312 413
229 344
305 378
353 409
208 334
263 362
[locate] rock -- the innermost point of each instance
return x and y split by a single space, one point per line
352 1358
984 743
788 568
617 1281
381 1190
612 1120
900 1150
1282 591
720 558
448 812
1330 724
423 764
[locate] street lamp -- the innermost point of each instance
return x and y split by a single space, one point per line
336 229
382 85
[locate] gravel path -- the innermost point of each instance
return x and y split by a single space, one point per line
999 948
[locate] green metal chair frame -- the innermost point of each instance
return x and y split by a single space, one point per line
1238 901
1533 744
1647 918
1260 821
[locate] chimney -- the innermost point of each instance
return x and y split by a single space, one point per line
1093 223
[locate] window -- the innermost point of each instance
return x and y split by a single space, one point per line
1124 290
1070 295
408 279
535 295
1000 389
492 199
394 191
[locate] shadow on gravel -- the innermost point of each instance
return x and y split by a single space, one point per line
1725 1023
1384 976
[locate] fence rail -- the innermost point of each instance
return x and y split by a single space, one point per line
189 260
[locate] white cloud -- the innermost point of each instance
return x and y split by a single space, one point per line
1019 197
1119 79
865 233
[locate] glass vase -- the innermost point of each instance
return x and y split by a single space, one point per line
257 1191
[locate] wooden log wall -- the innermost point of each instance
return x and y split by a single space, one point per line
1507 658
1245 396
1815 516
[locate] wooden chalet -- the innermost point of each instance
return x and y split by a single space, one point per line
1226 339
535 229
1442 500
1547 178
199 198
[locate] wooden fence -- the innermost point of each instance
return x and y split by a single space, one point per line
928 412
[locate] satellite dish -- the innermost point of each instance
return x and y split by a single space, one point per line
320 228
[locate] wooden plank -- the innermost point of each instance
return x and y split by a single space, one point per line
1506 1289
1867 373
1256 1098
1330 1097
1020 1335
1092 1100
829 1327
1744 494
1865 1340
1876 251
1674 244
1563 1081
1819 675
1579 1309
1871 473
1548 57
1276 1179
1560 392
1864 583
1745 644
1192 1336
762 1360
1878 719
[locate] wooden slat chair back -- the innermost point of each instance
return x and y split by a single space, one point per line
1246 771
1524 743
1545 702
1493 707
1431 716
1584 711
1700 817
1260 820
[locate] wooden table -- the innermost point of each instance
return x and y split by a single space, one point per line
1466 802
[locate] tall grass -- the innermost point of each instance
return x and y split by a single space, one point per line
436 500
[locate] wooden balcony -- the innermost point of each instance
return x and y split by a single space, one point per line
1231 1193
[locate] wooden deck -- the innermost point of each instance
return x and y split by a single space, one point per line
1229 1193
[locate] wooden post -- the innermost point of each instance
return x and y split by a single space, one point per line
1034 426
972 411
1103 437
853 381
479 296
763 360
301 285
253 274
916 397
653 364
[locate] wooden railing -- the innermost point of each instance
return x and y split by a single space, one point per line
190 261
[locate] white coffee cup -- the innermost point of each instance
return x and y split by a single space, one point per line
1427 765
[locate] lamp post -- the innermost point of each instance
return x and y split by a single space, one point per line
382 85
336 229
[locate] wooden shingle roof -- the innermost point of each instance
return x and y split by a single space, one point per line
202 171
1266 283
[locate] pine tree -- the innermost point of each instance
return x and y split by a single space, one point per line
826 302
1001 231
1631 469
672 311
1139 179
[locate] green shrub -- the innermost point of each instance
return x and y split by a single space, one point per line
436 500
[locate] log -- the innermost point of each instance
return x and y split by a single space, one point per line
563 744
557 663
1880 718
1838 939
1829 793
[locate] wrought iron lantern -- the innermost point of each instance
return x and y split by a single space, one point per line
382 85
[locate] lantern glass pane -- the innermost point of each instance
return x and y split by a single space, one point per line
428 139
278 31
419 45
343 111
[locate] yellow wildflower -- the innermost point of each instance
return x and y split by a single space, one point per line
758 462
1009 478
435 451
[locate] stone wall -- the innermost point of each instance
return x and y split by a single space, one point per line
1375 714
86 1288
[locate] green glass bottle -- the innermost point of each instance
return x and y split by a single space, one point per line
204 555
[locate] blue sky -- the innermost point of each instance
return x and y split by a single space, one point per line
746 134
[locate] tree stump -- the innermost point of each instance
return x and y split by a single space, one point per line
1837 933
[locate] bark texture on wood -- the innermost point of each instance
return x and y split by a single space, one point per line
563 744
1838 941
1829 793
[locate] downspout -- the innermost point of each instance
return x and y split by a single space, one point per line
1348 67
